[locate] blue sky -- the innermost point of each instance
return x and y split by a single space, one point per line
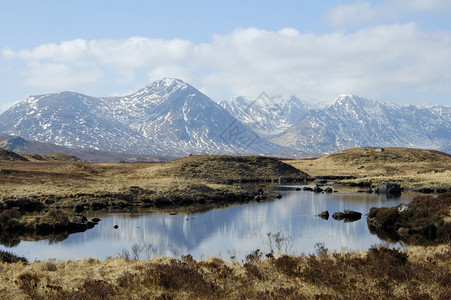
398 50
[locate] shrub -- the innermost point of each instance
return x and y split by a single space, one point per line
177 276
9 257
385 217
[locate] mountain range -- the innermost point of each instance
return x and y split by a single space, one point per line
350 122
172 118
168 117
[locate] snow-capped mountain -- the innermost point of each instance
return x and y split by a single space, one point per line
267 116
69 119
352 121
167 117
170 117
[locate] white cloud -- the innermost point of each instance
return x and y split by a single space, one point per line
365 12
370 62
424 5
61 76
357 13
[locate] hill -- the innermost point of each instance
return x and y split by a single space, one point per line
11 156
416 169
224 168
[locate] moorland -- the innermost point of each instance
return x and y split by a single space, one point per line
44 192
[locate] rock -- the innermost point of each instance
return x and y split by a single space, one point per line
328 190
347 215
352 215
278 196
380 150
298 189
320 181
79 224
95 220
389 188
115 227
324 215
338 216
360 167
79 220
307 188
402 208
317 189
79 208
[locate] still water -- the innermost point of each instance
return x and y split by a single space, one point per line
231 231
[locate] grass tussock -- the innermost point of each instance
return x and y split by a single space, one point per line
380 272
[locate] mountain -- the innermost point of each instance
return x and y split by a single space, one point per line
170 117
167 117
69 119
22 146
268 116
353 121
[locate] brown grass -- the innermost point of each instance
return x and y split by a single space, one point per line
379 273
225 168
412 168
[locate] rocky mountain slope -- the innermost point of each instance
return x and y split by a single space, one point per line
268 116
355 122
168 117
349 122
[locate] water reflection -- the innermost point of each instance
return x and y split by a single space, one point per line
240 228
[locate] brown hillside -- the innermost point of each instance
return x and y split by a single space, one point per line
9 155
224 168
412 168
61 157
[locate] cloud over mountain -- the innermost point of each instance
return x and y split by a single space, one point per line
403 59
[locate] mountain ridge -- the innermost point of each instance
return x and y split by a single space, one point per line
167 117
172 118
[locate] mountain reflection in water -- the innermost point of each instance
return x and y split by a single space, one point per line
219 232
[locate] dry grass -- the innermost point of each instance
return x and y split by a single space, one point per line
225 168
379 273
180 178
412 168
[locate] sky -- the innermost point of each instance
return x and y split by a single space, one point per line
397 51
